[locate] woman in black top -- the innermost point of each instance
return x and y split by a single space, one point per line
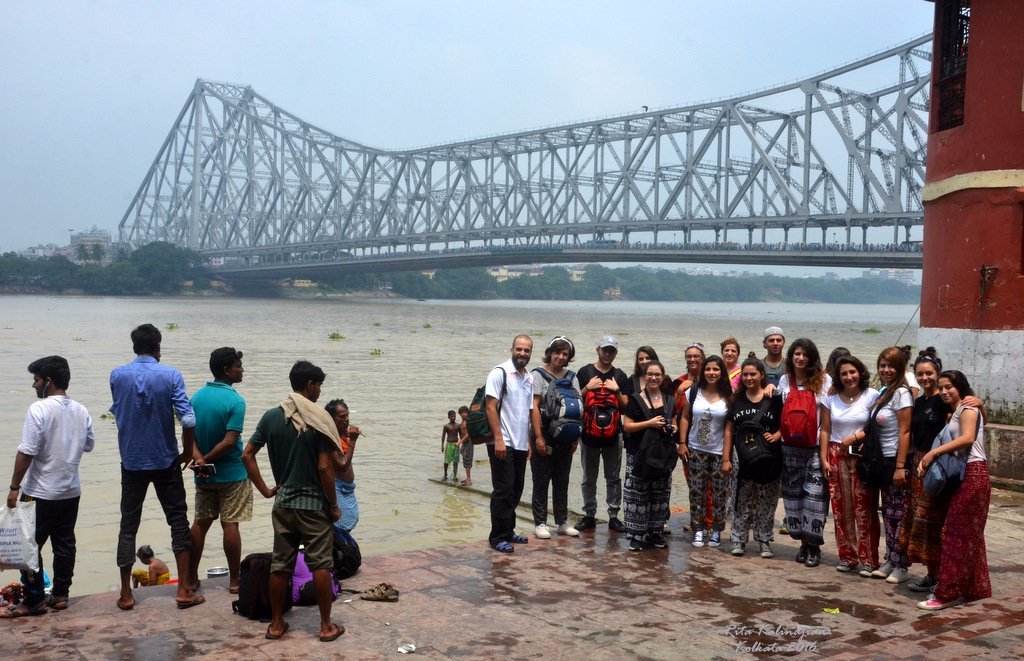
646 502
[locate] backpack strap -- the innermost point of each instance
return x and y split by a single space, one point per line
766 403
504 386
692 398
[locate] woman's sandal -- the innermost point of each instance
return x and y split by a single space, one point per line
21 610
381 592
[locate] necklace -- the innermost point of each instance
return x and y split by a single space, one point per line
849 399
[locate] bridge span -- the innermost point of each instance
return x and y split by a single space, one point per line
821 161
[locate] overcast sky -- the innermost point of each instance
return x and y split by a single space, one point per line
91 88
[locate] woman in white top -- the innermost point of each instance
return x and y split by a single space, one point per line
702 438
854 505
804 494
892 412
963 570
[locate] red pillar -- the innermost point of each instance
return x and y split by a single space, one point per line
972 294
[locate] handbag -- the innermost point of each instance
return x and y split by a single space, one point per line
18 548
657 454
946 473
874 468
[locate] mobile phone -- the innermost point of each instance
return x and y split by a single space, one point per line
855 451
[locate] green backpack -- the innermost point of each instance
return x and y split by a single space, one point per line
477 426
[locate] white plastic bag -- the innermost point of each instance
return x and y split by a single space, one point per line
18 549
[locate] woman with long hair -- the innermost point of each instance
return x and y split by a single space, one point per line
644 356
803 484
550 460
963 569
730 347
702 440
755 501
892 412
645 501
854 504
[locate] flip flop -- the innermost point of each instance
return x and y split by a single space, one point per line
195 601
21 610
271 636
338 631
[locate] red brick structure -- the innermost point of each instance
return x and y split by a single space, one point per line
972 295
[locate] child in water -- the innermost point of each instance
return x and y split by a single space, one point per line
450 447
158 573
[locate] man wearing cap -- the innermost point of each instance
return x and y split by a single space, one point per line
774 362
602 374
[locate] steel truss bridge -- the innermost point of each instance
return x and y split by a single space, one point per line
794 174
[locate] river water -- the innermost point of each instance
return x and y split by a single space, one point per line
400 366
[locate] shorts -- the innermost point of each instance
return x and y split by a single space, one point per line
451 453
467 454
309 527
231 502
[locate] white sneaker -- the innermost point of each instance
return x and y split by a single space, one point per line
766 550
567 529
883 571
698 538
898 575
542 531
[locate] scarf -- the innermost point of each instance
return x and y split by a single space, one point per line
303 414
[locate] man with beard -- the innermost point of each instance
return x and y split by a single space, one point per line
774 361
509 392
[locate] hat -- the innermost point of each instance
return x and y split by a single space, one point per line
773 330
608 341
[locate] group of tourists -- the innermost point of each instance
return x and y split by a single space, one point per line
785 424
310 450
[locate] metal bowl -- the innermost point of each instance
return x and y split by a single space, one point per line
217 571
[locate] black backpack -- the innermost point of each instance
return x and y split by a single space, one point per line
760 461
347 558
254 588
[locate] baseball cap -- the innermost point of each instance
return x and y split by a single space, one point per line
608 341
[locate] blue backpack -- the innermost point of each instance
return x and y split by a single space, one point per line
561 409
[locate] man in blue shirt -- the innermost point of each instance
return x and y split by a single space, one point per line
223 489
146 397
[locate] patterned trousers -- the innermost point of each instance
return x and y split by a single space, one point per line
964 572
755 504
921 533
644 502
804 494
706 478
894 506
855 508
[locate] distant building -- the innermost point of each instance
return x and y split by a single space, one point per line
905 276
36 252
503 273
90 247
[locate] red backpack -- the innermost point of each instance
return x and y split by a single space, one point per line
601 418
800 419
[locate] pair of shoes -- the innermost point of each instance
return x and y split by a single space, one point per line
866 571
716 539
586 523
656 540
503 547
520 539
698 539
898 575
386 591
567 529
541 531
933 604
766 550
738 548
636 544
801 555
883 571
813 557
846 567
615 525
926 584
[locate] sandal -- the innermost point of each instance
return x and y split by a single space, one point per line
381 592
57 602
22 610
503 547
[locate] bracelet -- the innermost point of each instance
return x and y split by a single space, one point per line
15 488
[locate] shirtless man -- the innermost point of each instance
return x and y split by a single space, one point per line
344 475
450 447
466 446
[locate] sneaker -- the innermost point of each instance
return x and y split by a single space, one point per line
586 523
716 539
801 555
615 525
883 571
542 532
698 538
738 548
898 575
813 557
636 545
933 604
657 541
846 567
766 550
567 529
866 570
926 584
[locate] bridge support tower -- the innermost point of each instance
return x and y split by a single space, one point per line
972 295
